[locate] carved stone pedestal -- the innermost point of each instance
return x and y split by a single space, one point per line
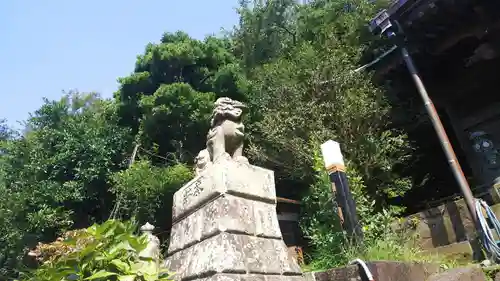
225 227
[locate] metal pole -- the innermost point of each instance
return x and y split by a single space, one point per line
443 138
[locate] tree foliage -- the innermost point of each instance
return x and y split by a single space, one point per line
56 174
144 192
311 94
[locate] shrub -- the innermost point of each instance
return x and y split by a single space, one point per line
320 223
109 251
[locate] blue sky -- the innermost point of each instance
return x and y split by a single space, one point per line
50 46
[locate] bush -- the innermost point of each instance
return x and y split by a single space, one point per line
320 223
109 251
144 192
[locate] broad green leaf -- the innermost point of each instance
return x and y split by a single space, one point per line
126 277
150 277
100 274
121 265
138 244
88 249
122 245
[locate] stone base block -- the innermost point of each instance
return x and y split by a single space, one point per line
227 213
233 253
224 176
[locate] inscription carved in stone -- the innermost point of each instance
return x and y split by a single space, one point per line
224 177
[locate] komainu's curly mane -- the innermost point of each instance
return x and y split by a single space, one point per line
219 139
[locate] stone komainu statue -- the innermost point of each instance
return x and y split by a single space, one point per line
225 136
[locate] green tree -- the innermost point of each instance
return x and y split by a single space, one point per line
312 94
176 120
267 30
145 192
5 132
56 175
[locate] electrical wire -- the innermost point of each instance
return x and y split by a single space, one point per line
367 271
392 49
489 243
363 67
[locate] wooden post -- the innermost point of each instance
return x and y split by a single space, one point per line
334 164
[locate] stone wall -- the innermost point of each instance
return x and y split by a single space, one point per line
440 226
381 270
446 227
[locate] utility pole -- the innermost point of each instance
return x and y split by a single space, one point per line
334 164
382 25
116 207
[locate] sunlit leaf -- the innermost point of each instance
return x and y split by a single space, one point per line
100 274
121 265
126 277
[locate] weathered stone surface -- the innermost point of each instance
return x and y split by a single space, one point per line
469 273
497 276
186 232
225 136
249 277
226 213
250 181
283 278
442 225
152 250
253 277
381 270
199 190
178 263
288 265
218 254
222 277
265 220
260 254
309 276
233 253
224 176
461 251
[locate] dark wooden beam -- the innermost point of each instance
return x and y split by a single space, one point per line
287 200
466 81
455 36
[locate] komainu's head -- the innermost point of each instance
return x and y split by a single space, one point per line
227 114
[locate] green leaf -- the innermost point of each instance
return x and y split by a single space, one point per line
88 250
124 245
126 277
100 274
138 244
121 265
150 277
